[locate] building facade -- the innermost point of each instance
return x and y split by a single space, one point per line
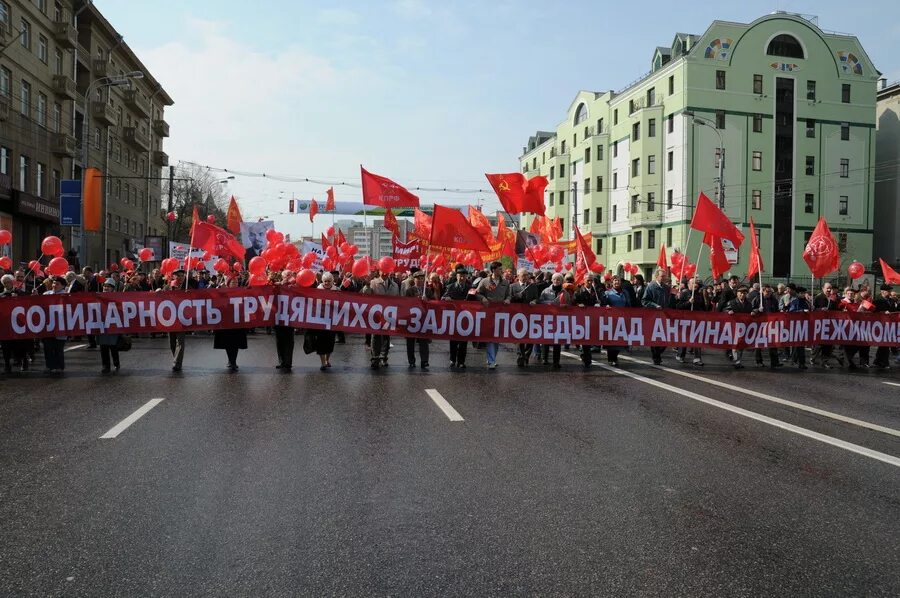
55 54
789 107
887 171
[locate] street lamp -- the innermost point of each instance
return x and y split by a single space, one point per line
224 181
706 123
116 81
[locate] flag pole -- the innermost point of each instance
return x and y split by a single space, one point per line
686 245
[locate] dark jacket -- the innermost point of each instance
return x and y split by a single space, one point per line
728 295
765 305
457 291
684 301
656 296
525 293
739 307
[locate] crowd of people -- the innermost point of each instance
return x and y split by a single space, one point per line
494 285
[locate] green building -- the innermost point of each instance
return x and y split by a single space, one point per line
791 108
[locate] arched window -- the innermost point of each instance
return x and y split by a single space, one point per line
581 114
785 45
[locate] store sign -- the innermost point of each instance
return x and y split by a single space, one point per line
30 205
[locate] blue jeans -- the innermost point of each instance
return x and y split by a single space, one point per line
491 350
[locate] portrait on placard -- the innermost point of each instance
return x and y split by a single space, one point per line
253 237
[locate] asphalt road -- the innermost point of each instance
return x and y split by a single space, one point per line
638 482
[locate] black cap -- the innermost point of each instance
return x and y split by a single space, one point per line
178 272
887 287
801 289
460 268
495 265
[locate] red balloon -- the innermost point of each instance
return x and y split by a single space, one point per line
361 268
306 278
51 245
145 254
295 265
329 232
626 267
166 267
211 219
328 264
206 256
273 236
352 250
568 265
128 265
291 251
5 262
607 276
387 264
258 280
690 270
34 266
855 270
556 253
331 251
308 260
237 267
5 237
171 216
58 266
221 266
345 247
597 267
257 266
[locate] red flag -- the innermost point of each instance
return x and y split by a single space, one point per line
518 195
710 219
215 240
233 217
480 223
325 243
506 237
718 261
313 209
661 260
821 253
755 266
341 239
557 229
329 200
390 222
195 218
381 191
422 222
584 257
451 230
889 274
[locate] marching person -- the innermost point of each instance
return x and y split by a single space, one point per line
284 338
458 290
416 289
232 340
883 304
591 294
556 295
799 304
325 338
827 300
54 347
381 343
14 350
616 297
692 299
657 296
177 339
739 305
493 289
526 292
109 343
766 303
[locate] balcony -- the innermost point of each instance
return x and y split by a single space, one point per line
160 158
64 87
136 138
136 102
644 218
65 35
63 144
161 128
103 113
5 104
100 67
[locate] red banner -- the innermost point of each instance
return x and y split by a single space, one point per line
406 255
111 313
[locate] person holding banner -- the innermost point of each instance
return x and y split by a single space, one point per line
657 296
525 291
232 340
493 289
324 342
416 289
54 352
691 299
766 303
557 295
381 343
177 339
15 350
109 343
799 304
458 290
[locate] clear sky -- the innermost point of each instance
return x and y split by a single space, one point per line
427 93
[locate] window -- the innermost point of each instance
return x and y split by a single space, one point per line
574 140
635 202
785 45
651 202
651 164
43 49
5 81
119 190
811 91
614 245
581 114
42 6
118 223
758 84
587 186
757 161
54 182
57 12
615 217
599 126
637 239
599 246
631 107
636 167
599 152
842 205
845 168
671 123
720 79
25 33
562 197
24 172
651 96
42 110
599 183
4 14
587 216
598 215
616 116
562 171
845 132
57 117
756 202
845 93
757 123
651 127
552 172
635 131
96 138
809 203
25 99
806 237
562 147
39 181
615 149
810 165
718 157
562 223
668 237
628 238
651 239
671 85
720 119
587 155
615 180
57 62
670 199
125 224
842 242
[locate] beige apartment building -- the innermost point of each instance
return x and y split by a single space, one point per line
54 53
887 173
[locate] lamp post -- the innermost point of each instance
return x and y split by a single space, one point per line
706 123
117 81
224 181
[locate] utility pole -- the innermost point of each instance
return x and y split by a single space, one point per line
171 207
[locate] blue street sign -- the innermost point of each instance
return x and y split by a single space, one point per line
70 203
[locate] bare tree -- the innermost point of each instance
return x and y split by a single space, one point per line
193 186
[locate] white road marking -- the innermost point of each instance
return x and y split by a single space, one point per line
892 383
123 425
67 349
443 405
848 446
780 401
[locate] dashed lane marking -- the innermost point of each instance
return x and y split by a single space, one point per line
123 425
892 383
67 349
848 446
451 413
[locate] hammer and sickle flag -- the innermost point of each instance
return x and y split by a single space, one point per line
517 194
